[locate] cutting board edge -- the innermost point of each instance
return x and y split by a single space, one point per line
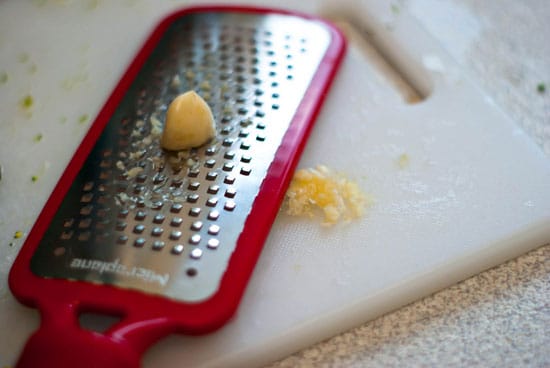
338 321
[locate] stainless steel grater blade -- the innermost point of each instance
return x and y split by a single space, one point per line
167 223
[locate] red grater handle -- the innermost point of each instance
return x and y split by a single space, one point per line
51 348
61 343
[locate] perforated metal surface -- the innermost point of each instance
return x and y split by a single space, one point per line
139 217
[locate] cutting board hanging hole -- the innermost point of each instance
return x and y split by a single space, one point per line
392 75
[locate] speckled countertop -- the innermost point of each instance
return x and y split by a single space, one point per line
501 317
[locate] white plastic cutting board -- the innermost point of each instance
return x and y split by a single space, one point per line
475 191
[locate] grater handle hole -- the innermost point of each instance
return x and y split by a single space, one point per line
97 322
59 342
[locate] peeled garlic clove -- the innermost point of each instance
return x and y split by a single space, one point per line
189 123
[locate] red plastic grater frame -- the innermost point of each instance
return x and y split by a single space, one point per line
60 341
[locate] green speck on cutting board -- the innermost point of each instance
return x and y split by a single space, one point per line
74 81
403 161
26 102
38 137
39 2
32 68
23 57
83 118
541 87
3 77
395 9
18 234
93 4
42 3
34 178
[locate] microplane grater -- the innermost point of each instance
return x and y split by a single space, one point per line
172 237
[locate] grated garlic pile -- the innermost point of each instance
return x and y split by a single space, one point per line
321 188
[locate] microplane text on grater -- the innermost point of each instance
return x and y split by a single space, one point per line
134 230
